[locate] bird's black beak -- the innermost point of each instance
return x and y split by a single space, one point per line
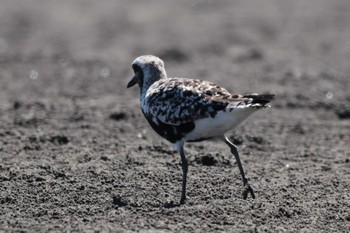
133 81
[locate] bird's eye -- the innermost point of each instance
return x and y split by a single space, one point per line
136 68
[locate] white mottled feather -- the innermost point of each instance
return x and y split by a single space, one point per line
190 109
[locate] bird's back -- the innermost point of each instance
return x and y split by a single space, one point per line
173 105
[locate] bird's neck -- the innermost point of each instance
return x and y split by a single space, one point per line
150 78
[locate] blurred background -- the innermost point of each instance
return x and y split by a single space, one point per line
280 37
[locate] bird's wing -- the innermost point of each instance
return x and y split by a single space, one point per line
177 101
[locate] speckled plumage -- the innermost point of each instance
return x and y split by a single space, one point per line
188 110
191 99
180 102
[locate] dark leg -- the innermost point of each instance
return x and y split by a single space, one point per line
184 174
234 151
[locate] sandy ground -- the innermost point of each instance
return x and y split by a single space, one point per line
76 153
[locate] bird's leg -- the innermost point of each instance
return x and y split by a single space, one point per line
248 188
184 165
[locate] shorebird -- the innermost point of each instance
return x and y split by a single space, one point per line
190 110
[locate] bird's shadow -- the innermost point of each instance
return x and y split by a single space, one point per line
171 204
119 201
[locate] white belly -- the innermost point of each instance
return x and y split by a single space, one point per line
219 125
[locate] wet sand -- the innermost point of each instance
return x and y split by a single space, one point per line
76 154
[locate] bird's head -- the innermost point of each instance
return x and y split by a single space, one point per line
148 69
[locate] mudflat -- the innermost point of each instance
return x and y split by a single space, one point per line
76 154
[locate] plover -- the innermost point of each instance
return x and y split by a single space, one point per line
190 110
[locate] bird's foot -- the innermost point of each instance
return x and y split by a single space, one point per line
182 201
248 189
